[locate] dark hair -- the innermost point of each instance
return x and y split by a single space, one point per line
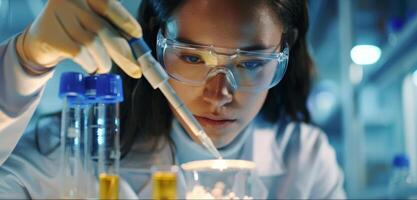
145 113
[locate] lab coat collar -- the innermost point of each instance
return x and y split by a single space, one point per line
268 147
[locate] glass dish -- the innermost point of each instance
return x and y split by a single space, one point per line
222 179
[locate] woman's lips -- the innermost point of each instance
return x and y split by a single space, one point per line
205 121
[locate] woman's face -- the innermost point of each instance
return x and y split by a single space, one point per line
222 111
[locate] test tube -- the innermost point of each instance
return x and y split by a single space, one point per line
164 182
90 142
72 127
104 127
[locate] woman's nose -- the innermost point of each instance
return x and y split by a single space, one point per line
218 91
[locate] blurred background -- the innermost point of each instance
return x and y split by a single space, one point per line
365 92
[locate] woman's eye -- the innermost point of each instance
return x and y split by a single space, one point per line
251 65
192 59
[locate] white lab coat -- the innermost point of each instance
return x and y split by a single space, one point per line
294 160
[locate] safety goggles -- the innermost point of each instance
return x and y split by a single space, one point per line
250 71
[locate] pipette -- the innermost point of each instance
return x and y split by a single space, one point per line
158 78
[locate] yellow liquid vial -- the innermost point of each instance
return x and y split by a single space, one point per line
109 186
164 185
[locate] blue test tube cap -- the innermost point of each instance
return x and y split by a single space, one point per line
401 161
109 88
91 88
71 85
395 24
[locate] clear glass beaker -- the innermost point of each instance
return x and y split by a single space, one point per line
222 179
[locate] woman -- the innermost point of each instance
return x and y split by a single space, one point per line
225 60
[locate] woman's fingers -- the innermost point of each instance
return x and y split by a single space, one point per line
86 31
117 15
119 50
90 42
97 50
115 45
85 60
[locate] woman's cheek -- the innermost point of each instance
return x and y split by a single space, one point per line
250 104
186 93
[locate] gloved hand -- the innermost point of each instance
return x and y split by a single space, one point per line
85 31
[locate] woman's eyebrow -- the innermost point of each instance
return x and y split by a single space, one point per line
252 47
